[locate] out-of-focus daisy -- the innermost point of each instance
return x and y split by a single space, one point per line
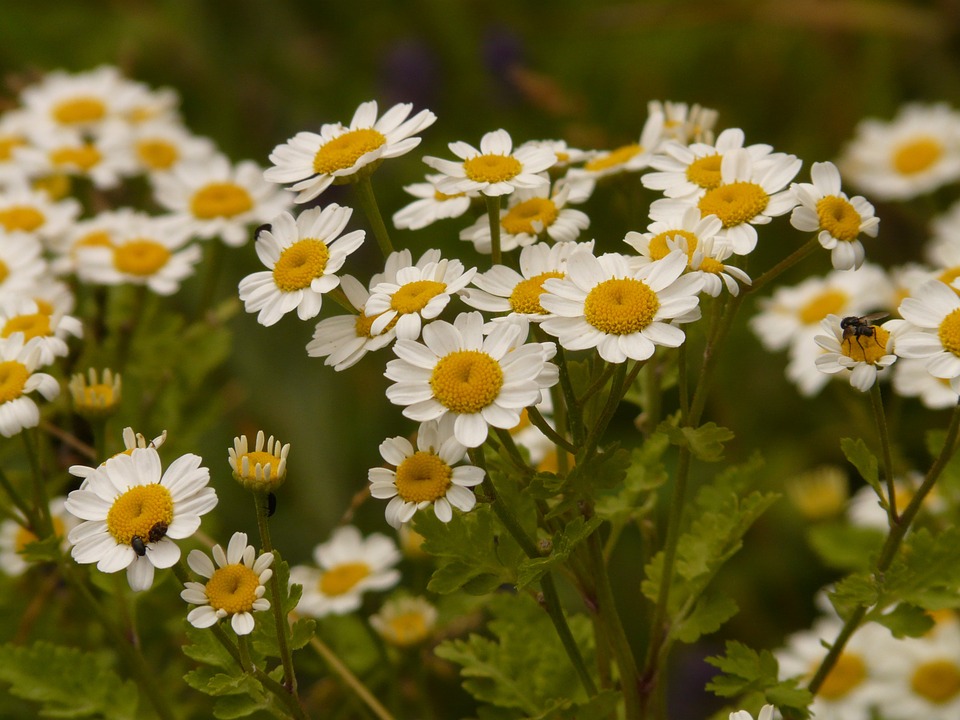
143 104
218 199
684 123
78 101
49 328
18 363
943 248
864 354
13 134
15 536
766 713
348 565
101 230
338 154
663 234
133 511
626 158
235 585
837 219
911 379
263 468
493 170
865 510
160 146
429 475
531 215
405 621
104 158
23 210
819 493
624 312
21 263
304 255
97 395
935 313
481 380
915 153
131 441
504 290
431 205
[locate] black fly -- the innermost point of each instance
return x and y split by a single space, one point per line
859 327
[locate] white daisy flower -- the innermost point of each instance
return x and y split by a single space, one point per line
217 198
431 206
234 587
429 475
493 170
766 713
133 511
21 263
161 145
626 158
482 381
23 210
708 261
50 329
105 158
18 362
663 235
684 123
348 565
943 248
417 294
131 441
915 153
530 215
101 230
77 101
304 255
504 290
934 313
313 162
262 469
97 395
16 536
911 379
837 219
144 104
623 312
565 155
13 134
405 621
865 352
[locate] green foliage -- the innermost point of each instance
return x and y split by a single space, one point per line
645 474
704 443
846 547
859 455
745 671
904 620
601 472
264 636
563 543
67 682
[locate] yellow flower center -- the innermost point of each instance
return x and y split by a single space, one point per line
13 376
917 155
25 537
525 297
4 271
363 324
492 168
949 332
57 186
260 458
342 578
233 588
827 302
937 681
441 197
705 171
140 257
612 159
300 264
423 477
21 217
621 306
466 381
84 156
838 217
710 265
79 110
157 154
137 510
32 325
734 203
220 199
847 674
407 629
94 397
521 217
414 296
44 306
98 238
7 144
866 348
659 248
949 275
343 152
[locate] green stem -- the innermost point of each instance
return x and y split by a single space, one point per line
513 452
243 646
131 325
540 422
349 679
368 203
598 384
213 265
41 502
682 383
493 216
574 409
876 399
32 520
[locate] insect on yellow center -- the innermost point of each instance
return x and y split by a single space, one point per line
705 172
937 681
621 306
414 296
734 203
530 217
301 264
492 168
343 152
423 477
25 537
31 325
342 578
846 675
78 110
818 307
614 158
137 510
525 297
157 154
13 378
466 381
21 217
866 348
949 332
917 155
255 458
83 156
409 628
659 248
220 199
140 257
233 589
838 217
7 144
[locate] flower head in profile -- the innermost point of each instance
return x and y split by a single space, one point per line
95 396
631 157
19 361
347 566
854 344
431 205
303 254
133 510
235 585
339 154
405 621
262 469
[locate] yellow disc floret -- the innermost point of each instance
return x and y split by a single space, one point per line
705 172
21 217
13 378
839 218
846 675
466 381
220 199
866 348
300 264
621 306
414 296
84 156
342 578
31 325
406 629
7 144
525 297
614 158
79 110
937 681
492 168
734 203
949 332
817 308
157 154
135 512
233 589
917 155
530 217
423 477
659 249
140 257
344 151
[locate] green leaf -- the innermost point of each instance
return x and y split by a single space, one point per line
926 571
853 591
704 442
68 682
203 647
349 637
301 632
601 705
564 542
708 615
645 474
746 671
239 706
859 455
604 471
846 547
905 620
41 551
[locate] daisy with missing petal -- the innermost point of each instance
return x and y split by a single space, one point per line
133 511
303 255
683 123
935 313
429 475
864 355
623 312
837 219
96 396
338 154
480 380
708 261
18 361
348 565
405 621
46 324
15 536
131 442
495 169
431 205
235 585
626 158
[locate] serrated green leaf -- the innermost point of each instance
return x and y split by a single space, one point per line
905 620
708 615
231 707
223 684
301 632
853 591
704 442
926 571
645 474
601 705
203 647
845 547
603 471
748 672
564 542
859 455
